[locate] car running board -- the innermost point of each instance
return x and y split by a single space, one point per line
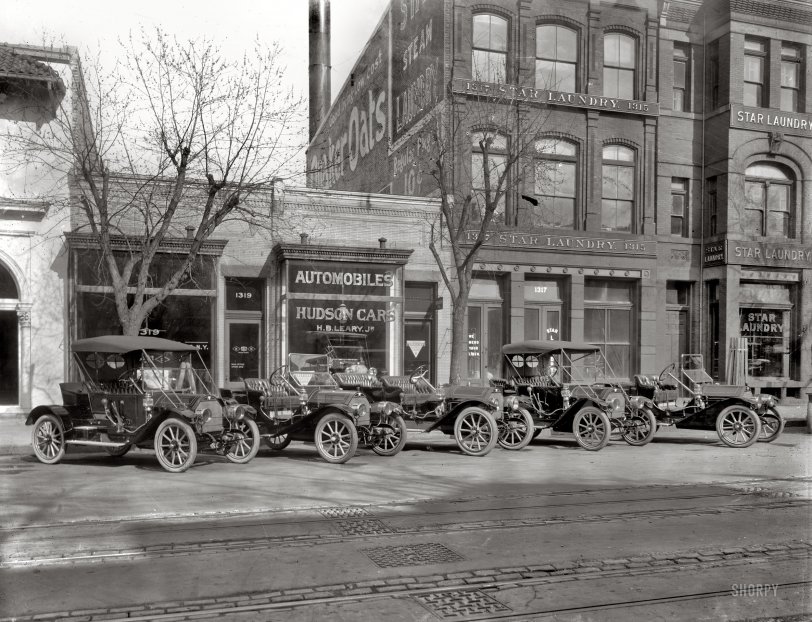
95 443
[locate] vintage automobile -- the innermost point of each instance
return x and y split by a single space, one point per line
739 418
471 414
558 383
143 392
349 362
302 401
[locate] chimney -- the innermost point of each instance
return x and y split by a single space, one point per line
319 68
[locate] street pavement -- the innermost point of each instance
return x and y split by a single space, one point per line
683 528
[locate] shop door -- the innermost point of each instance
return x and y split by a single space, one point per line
485 341
542 323
9 359
244 349
677 334
417 345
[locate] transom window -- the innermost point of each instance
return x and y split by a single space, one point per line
556 58
555 183
679 206
617 208
768 209
495 146
489 48
790 78
755 72
619 63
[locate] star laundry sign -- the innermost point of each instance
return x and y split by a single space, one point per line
572 243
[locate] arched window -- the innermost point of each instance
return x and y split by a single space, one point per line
489 48
556 58
619 64
9 339
768 209
617 208
556 181
493 146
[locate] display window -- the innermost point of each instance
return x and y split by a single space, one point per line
485 329
766 321
609 320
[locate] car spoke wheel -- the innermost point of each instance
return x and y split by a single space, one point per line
390 436
175 445
738 426
516 430
640 428
246 446
118 452
48 439
475 431
336 438
772 424
592 428
278 441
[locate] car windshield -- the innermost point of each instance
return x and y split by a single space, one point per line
311 370
556 367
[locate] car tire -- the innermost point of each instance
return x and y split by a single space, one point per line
118 452
643 429
175 445
772 424
591 428
48 439
738 426
516 430
245 449
336 438
393 438
278 442
475 431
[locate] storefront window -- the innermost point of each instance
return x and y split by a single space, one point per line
418 327
609 323
542 312
765 319
485 329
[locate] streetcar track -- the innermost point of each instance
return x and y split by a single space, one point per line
320 539
237 604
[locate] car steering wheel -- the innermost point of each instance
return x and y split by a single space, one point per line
419 374
666 373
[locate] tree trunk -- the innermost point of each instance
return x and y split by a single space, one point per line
458 338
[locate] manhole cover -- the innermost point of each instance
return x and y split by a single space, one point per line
363 526
343 512
412 555
462 605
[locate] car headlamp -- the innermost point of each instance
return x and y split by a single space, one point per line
512 403
637 402
765 400
386 408
235 412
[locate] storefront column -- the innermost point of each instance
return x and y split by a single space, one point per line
516 307
24 346
594 155
576 310
649 175
729 312
805 375
648 322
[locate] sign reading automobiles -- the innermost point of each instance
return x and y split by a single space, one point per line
356 279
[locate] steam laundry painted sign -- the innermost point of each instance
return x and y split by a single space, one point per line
566 243
770 120
513 92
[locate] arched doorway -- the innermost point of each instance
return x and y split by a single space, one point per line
9 340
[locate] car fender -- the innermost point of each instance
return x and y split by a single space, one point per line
564 423
51 409
715 407
318 414
148 429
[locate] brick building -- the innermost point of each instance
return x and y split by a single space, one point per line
679 136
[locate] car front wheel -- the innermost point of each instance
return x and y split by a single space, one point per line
640 428
48 439
117 452
738 426
278 442
772 424
592 428
390 436
516 430
475 431
336 438
175 445
246 447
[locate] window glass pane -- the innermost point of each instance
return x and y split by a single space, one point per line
789 100
545 41
556 146
565 179
680 51
531 323
679 74
790 51
625 84
489 66
482 31
567 44
244 294
618 152
679 184
764 292
609 182
619 325
618 360
474 341
553 325
594 325
753 221
755 45
610 80
626 51
243 351
754 195
566 77
778 224
545 75
790 73
677 205
499 34
778 198
767 171
625 182
752 94
547 291
623 216
754 69
564 211
677 225
611 49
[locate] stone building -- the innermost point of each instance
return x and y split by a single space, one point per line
678 214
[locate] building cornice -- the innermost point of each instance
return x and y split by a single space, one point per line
323 252
79 240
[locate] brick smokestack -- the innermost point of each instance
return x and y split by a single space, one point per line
319 69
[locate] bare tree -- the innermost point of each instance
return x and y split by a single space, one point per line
170 142
479 195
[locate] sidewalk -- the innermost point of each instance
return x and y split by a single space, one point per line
15 436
